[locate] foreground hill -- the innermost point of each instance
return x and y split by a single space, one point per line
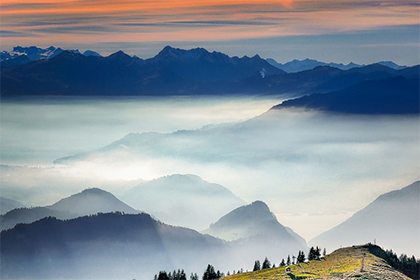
397 95
183 200
357 262
393 219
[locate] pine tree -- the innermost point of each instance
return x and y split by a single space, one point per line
300 257
182 275
288 260
257 265
164 276
317 253
324 253
194 276
266 264
282 262
311 254
210 273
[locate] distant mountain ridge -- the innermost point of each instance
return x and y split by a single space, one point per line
174 71
393 95
296 65
393 219
92 201
23 55
7 204
183 200
88 202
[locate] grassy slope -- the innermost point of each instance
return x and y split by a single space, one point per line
347 263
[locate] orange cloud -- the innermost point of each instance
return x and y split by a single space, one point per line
194 20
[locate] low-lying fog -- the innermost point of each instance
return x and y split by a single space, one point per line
313 169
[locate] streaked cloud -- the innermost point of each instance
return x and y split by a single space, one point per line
147 22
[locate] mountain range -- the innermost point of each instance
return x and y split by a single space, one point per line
120 245
180 72
296 65
393 220
23 55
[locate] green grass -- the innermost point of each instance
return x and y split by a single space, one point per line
351 263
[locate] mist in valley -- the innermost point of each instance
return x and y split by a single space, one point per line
314 170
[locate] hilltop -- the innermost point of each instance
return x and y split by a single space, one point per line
356 262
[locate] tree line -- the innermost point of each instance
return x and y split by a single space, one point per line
209 274
314 254
403 263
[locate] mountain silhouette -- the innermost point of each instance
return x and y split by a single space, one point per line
7 204
394 95
92 201
176 71
87 202
172 71
103 246
393 219
255 229
183 200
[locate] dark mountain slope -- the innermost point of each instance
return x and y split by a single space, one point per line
397 95
30 215
104 246
321 79
393 219
200 65
171 72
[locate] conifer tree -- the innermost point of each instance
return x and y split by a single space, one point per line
257 265
288 260
282 262
300 257
164 276
266 264
210 273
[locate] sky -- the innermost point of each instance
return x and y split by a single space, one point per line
360 31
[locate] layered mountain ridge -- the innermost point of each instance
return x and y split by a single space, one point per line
177 72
